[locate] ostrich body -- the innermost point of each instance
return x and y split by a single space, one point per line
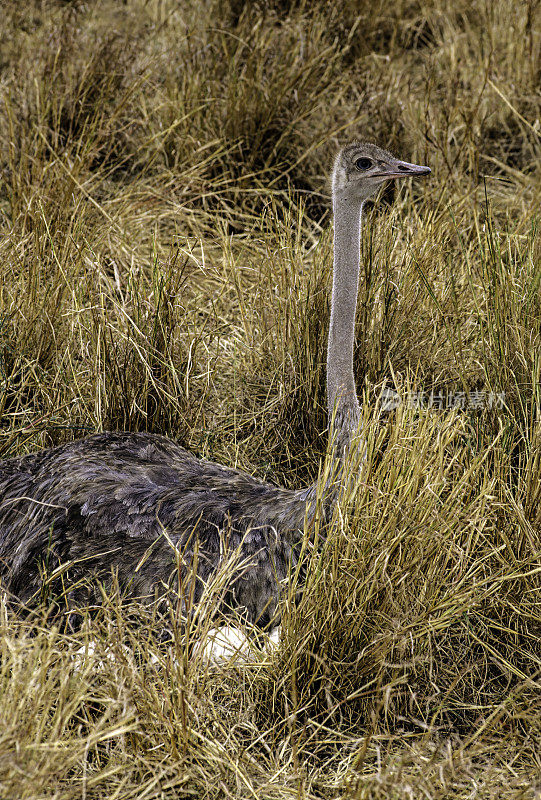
116 502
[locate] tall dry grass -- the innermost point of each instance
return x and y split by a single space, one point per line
166 252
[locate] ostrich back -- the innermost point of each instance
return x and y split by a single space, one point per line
117 502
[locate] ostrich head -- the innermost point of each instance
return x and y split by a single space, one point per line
360 168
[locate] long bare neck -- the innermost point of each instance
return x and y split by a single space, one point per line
342 402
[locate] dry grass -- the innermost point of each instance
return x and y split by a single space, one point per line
165 253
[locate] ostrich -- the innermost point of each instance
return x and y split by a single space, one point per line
117 502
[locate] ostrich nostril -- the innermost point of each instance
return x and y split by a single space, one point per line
402 168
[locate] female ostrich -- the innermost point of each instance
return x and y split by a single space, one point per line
116 501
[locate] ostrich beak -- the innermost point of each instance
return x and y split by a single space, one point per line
403 169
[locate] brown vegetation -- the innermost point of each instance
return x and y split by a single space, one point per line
165 255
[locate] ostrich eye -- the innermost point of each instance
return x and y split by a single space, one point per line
363 163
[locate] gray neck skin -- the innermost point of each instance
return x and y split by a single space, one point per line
341 394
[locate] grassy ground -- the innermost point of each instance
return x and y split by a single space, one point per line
165 259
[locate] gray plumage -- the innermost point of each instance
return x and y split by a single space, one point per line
104 503
117 502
